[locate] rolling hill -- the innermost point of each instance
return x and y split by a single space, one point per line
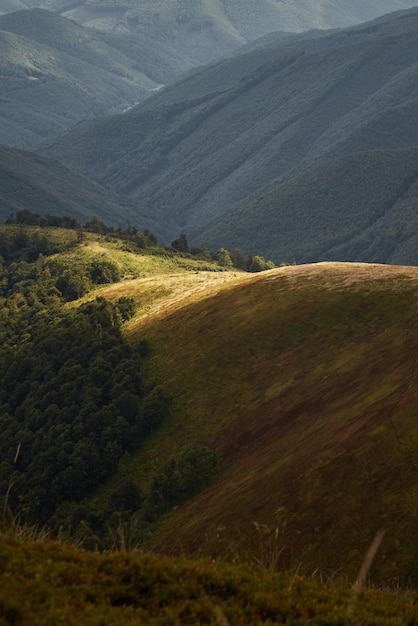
303 381
154 399
55 72
301 149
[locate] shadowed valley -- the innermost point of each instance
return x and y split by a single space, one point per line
302 150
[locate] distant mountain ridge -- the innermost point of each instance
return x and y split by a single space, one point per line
203 30
56 72
206 153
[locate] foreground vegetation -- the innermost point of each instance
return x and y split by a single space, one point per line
48 583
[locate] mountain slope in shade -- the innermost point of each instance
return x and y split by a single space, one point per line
303 381
206 154
205 30
43 186
357 207
55 72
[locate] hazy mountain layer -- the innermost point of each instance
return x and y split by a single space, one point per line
55 72
207 29
332 113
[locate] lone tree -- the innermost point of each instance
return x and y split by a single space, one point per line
223 257
238 259
180 243
259 264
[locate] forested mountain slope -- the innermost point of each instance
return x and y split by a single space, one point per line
28 181
206 29
226 135
75 401
55 72
362 206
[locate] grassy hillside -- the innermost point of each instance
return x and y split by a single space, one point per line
48 583
55 72
224 137
302 381
154 399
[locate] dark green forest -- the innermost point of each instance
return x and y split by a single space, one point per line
74 400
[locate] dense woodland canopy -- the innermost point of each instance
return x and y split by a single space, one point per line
74 400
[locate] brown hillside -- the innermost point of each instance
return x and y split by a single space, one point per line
304 382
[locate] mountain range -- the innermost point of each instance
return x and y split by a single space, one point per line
163 399
56 72
300 149
205 30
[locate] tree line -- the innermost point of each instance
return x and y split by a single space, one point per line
140 240
223 257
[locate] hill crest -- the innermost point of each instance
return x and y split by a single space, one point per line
301 376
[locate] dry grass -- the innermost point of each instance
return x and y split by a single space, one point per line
343 275
164 293
302 379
